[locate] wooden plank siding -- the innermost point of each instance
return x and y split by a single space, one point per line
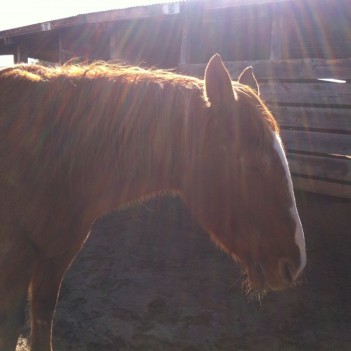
322 187
336 169
303 69
306 94
310 142
314 117
321 118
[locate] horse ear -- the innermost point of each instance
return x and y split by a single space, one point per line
247 77
218 83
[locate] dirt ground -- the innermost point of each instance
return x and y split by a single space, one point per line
150 279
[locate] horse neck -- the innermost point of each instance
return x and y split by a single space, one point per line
150 156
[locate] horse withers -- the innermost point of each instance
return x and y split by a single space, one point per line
79 140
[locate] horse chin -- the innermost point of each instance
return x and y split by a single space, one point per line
255 284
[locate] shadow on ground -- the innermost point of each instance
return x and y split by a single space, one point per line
150 279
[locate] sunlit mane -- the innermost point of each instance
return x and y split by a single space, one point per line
86 97
101 69
118 87
133 74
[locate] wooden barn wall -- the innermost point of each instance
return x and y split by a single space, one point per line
314 117
86 42
239 33
43 45
316 29
152 42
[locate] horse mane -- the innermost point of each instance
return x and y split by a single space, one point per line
100 69
105 87
80 110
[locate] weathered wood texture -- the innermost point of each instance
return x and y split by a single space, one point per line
321 167
316 142
276 34
306 94
314 117
322 187
325 118
284 70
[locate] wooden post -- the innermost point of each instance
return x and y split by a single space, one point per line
276 34
111 45
184 48
18 54
21 56
114 42
60 48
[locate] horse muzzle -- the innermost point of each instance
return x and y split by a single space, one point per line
283 276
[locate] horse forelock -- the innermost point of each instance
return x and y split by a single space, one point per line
256 125
250 98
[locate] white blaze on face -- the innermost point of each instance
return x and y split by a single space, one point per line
299 236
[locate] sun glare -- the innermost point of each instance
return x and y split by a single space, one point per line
6 60
332 80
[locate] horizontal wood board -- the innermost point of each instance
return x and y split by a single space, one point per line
334 169
327 143
322 187
327 94
283 69
327 119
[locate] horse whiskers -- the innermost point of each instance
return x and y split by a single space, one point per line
250 291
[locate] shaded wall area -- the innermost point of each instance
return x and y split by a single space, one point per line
147 42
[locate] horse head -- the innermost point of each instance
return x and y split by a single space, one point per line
241 188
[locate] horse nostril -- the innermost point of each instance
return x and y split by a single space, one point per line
286 270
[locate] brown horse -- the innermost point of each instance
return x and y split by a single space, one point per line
78 141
